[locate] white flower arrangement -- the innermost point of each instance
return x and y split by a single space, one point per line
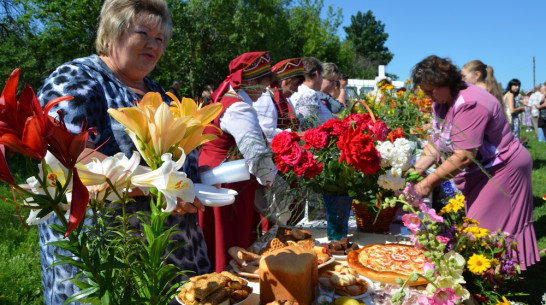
397 156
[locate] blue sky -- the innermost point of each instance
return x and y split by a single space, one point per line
503 34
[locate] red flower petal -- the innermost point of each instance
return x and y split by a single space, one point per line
80 200
5 173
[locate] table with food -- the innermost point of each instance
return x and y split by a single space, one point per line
300 266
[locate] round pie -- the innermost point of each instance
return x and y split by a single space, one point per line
386 262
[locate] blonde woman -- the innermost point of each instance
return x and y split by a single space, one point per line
477 73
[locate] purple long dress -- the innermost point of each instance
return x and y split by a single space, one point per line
504 201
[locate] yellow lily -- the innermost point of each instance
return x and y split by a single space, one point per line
134 118
199 118
165 129
152 126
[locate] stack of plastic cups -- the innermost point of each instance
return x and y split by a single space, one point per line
227 172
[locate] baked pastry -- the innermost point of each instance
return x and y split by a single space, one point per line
342 278
323 254
214 289
344 268
288 274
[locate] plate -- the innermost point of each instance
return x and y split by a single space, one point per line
340 257
211 192
370 289
250 294
216 202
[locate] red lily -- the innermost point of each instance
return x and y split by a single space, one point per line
80 200
63 144
5 173
23 122
67 147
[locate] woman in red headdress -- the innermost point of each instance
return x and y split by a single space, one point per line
241 137
274 110
276 113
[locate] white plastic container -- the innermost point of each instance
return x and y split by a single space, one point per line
227 172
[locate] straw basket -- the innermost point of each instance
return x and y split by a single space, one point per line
365 219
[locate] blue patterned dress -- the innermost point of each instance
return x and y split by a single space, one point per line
95 89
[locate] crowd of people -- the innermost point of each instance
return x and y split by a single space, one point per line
261 99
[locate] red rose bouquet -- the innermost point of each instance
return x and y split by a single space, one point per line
339 157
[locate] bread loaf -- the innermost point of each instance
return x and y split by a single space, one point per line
290 273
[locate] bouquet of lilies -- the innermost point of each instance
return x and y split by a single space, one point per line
105 252
458 251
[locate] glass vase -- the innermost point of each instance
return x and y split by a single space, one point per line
337 209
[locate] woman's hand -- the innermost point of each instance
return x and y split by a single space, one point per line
183 207
423 188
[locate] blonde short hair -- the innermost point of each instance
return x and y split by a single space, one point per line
331 71
116 16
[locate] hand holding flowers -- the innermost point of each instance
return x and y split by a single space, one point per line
116 266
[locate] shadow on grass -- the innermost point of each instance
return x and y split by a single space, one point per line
540 223
532 283
539 163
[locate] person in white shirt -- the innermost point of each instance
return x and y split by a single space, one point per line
274 110
309 107
534 99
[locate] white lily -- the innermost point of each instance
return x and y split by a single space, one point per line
118 169
171 182
56 173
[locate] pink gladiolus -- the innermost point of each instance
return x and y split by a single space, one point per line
411 221
431 213
413 239
444 240
423 300
443 297
428 266
411 195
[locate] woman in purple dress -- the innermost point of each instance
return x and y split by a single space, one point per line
479 152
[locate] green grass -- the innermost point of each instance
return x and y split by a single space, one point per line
20 281
533 280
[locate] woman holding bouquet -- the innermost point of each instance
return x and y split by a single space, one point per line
240 137
488 164
132 36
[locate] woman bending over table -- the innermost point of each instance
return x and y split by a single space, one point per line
471 131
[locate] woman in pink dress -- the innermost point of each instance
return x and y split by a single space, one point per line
471 134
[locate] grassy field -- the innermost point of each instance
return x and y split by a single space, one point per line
20 259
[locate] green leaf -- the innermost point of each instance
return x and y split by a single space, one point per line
82 294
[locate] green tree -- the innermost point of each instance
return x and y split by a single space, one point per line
368 38
39 35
